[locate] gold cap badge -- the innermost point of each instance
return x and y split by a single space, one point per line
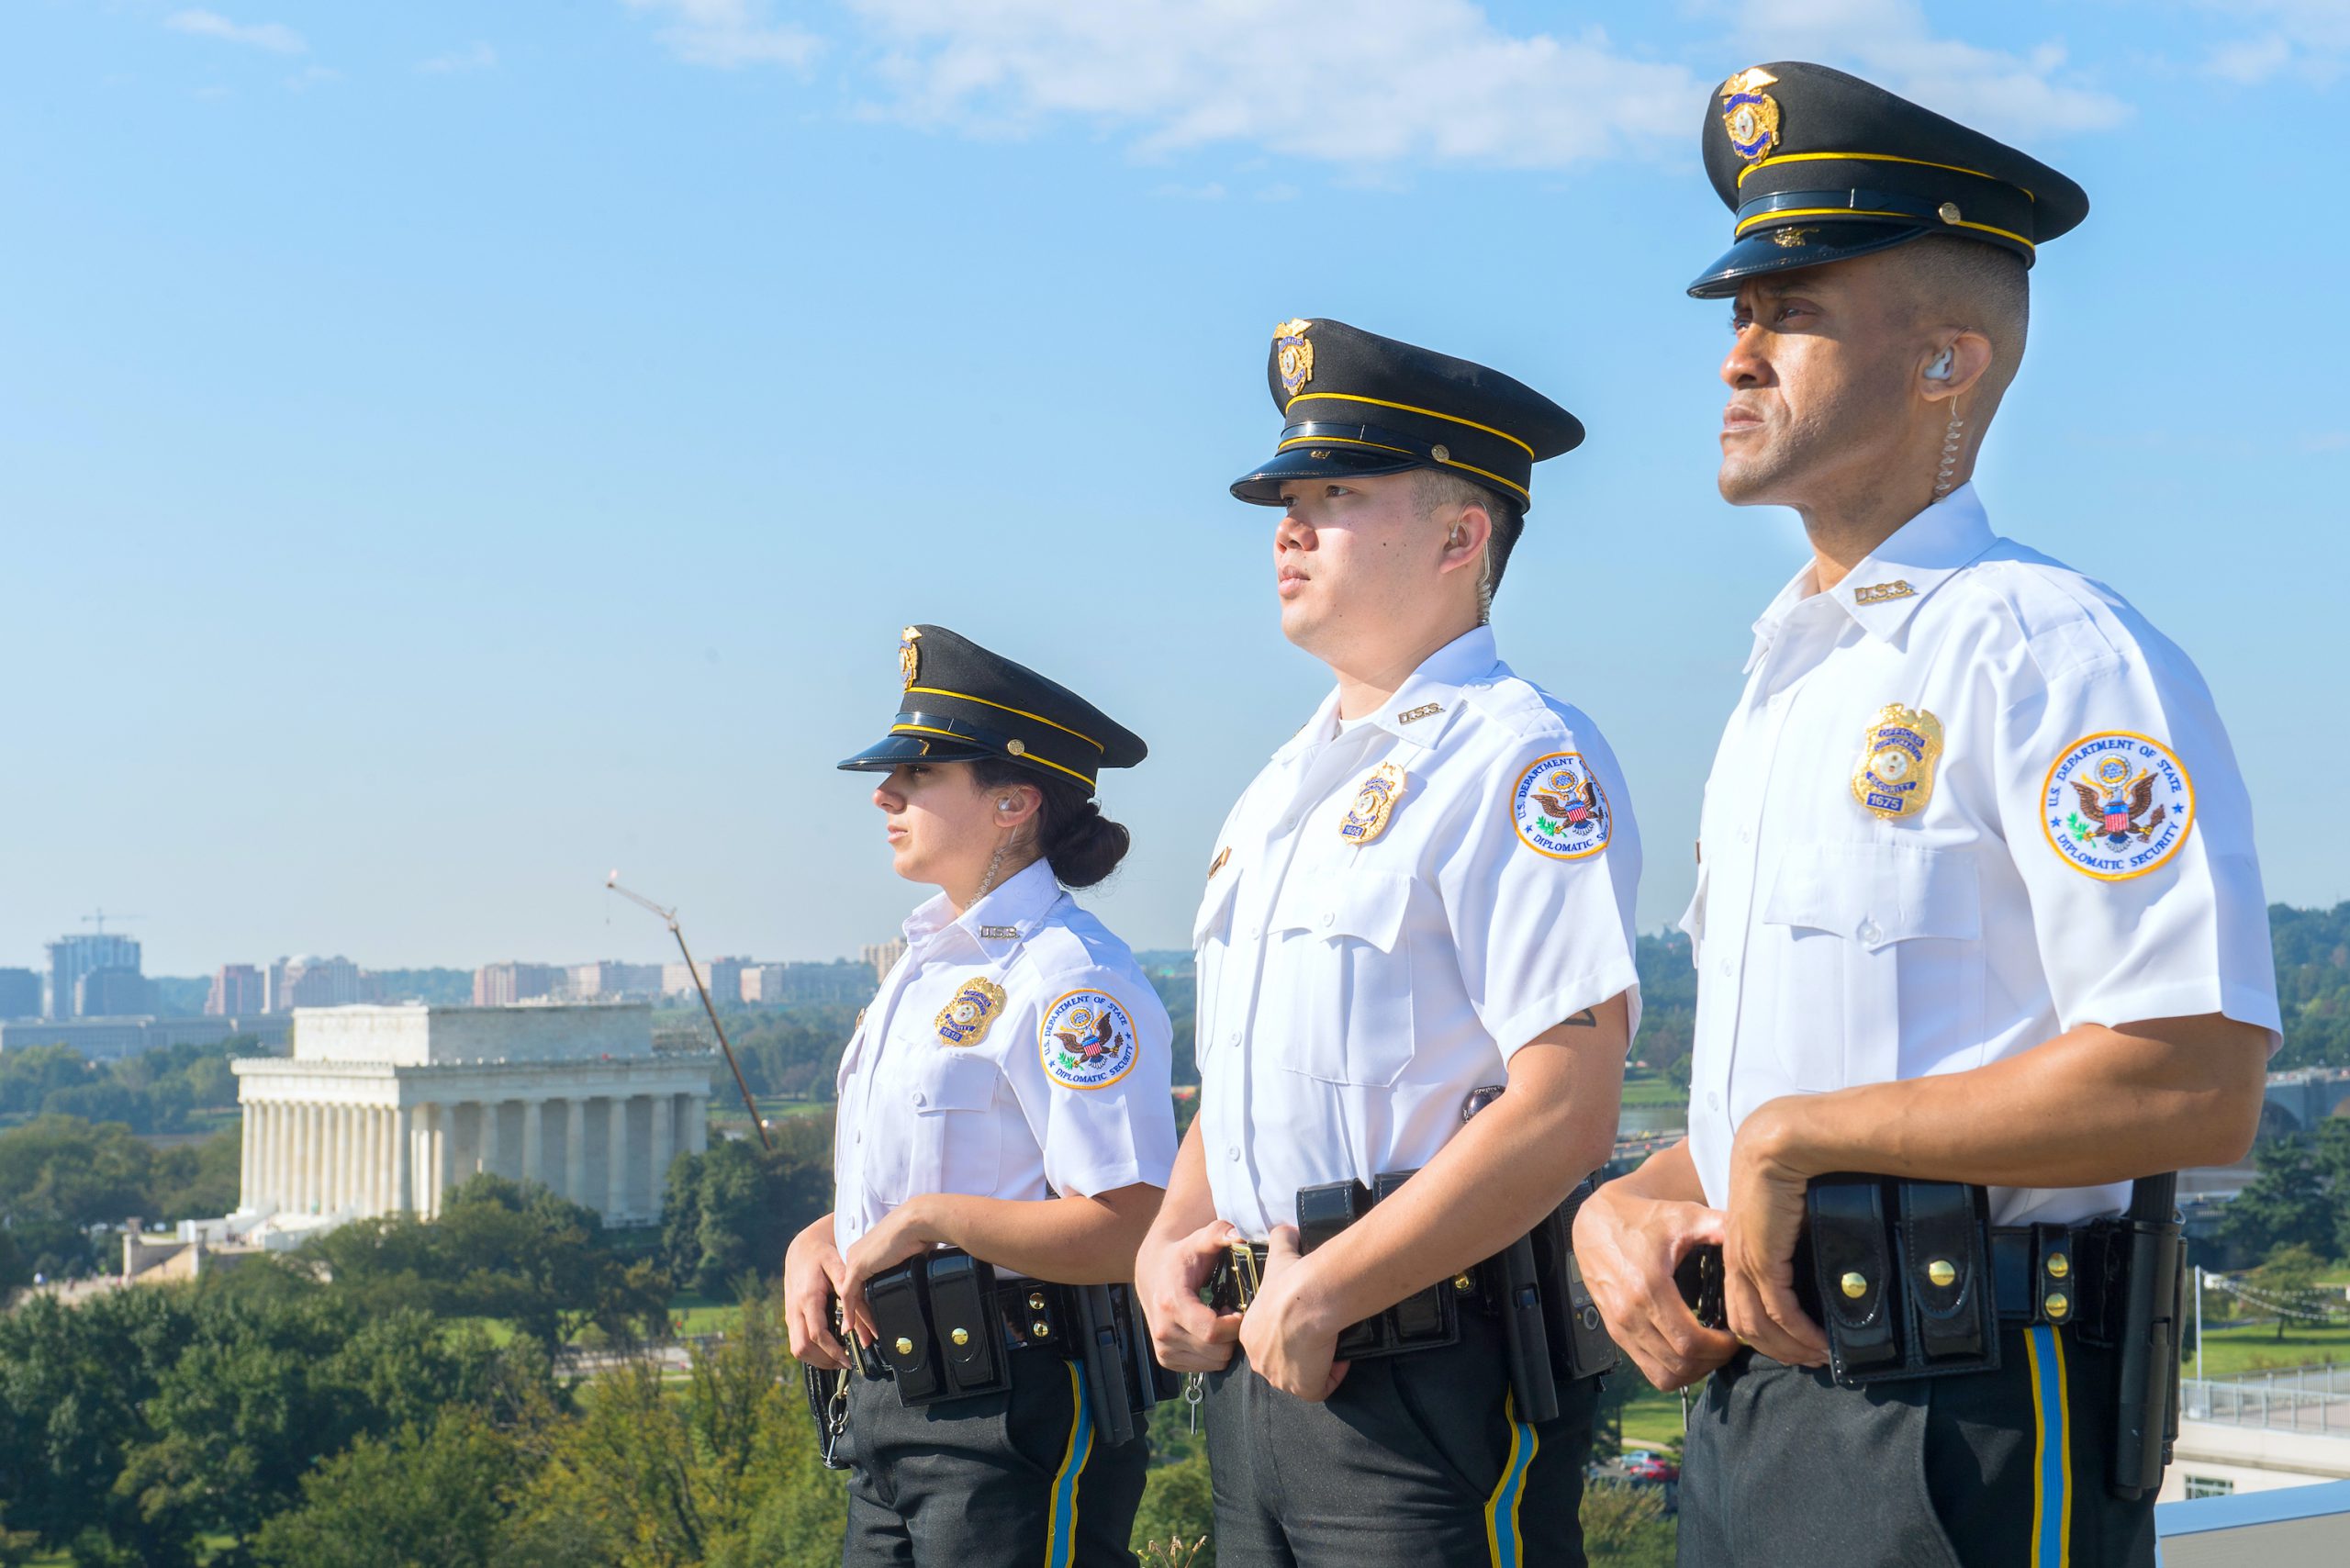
1295 355
908 655
1749 115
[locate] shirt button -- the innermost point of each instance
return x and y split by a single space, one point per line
1745 836
1713 1101
921 1098
1233 1152
1231 1036
1328 916
1725 965
1871 932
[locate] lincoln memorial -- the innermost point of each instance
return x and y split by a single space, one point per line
386 1109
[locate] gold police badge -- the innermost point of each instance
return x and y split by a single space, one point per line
1895 776
1374 803
1749 115
970 1013
1295 356
908 655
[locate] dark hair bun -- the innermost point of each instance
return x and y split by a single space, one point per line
1086 847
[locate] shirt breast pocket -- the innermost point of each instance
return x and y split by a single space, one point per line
1211 940
956 1135
1344 974
1880 941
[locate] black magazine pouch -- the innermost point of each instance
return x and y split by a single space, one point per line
895 1299
1946 1262
1851 1256
970 1347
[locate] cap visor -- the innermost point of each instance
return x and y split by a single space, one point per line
895 751
1761 252
1262 487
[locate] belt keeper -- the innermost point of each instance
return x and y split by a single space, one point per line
2055 1275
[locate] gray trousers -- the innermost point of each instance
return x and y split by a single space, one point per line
1014 1480
1417 1461
2003 1469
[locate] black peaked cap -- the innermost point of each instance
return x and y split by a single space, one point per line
1354 402
1819 166
961 701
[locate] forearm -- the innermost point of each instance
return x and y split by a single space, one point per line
1511 1165
1189 1204
1670 1175
2094 1105
1073 1239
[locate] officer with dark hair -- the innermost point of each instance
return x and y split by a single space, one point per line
1004 1135
1981 945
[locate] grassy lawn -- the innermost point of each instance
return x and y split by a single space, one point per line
2227 1351
1653 1421
703 1315
1653 1091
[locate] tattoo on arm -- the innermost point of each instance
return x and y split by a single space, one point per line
1586 1019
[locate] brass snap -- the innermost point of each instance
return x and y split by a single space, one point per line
1041 1329
1941 1272
1036 1301
961 1336
2057 1305
1856 1285
905 1346
2058 1266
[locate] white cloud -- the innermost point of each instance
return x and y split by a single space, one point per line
2009 95
1382 81
274 36
2310 39
473 57
729 33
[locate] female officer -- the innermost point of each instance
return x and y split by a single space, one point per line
1005 1093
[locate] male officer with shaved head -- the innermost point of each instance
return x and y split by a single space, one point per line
1978 926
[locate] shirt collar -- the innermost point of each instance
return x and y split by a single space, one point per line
1886 587
1017 905
1422 708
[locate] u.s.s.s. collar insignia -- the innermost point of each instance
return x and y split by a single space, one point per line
970 1013
1087 1040
1894 778
1884 593
1217 864
2117 805
910 655
1375 801
1559 809
1749 115
999 933
1296 355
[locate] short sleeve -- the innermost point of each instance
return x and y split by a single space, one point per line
2129 825
1538 879
1092 1080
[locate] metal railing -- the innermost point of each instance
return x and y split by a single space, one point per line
2292 1399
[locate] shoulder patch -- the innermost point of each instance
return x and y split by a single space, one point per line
1087 1040
2117 805
1559 809
970 1013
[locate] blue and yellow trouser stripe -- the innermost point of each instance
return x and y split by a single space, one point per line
2052 1451
1502 1537
1060 1528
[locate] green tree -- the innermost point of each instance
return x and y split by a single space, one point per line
2290 1203
2287 1280
429 1499
743 1203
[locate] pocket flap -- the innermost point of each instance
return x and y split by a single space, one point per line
1877 893
1214 919
955 1081
1366 906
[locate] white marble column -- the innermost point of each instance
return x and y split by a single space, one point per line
697 1124
616 1157
370 1195
249 1140
403 1199
533 1136
281 1153
339 1142
444 1156
664 1132
304 1144
575 1151
487 1115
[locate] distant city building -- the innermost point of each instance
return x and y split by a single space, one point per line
71 957
19 993
606 980
846 981
113 994
236 989
723 976
881 955
112 1039
384 1110
311 982
503 985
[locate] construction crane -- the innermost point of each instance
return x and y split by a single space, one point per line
669 918
99 920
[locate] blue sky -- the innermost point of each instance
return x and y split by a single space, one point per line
449 451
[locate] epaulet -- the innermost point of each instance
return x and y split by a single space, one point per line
1520 708
2071 624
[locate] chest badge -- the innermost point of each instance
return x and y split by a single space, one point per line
1374 803
971 1013
1895 776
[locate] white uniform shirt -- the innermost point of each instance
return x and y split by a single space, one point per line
1355 988
1872 906
1051 1078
